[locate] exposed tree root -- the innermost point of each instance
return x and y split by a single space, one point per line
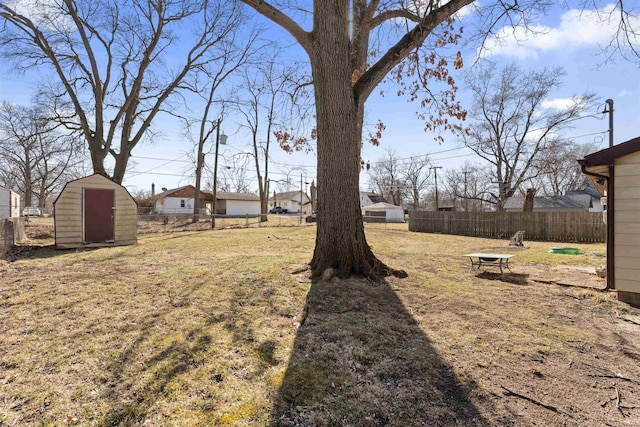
369 267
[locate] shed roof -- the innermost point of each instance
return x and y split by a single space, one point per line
99 175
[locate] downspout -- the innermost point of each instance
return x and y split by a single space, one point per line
610 284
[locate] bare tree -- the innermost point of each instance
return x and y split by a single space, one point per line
234 176
559 170
416 178
472 185
400 179
387 177
626 39
36 156
227 58
143 198
346 69
114 61
266 103
511 125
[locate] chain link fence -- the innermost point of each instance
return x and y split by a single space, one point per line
150 222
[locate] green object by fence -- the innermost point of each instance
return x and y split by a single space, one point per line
572 251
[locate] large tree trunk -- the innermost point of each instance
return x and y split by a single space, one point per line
340 240
264 196
98 155
120 167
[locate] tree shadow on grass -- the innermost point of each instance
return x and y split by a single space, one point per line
141 374
360 359
135 382
514 278
26 251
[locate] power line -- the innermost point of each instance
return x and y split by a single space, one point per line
137 173
157 167
473 153
401 159
163 160
461 147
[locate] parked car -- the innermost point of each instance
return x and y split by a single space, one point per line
311 218
278 210
31 211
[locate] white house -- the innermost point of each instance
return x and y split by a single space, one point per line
292 201
9 203
181 200
383 212
368 198
236 204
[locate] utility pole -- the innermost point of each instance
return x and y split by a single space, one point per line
609 103
435 176
466 199
610 212
215 173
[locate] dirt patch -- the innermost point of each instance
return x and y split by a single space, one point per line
567 275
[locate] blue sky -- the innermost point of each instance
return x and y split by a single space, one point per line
568 40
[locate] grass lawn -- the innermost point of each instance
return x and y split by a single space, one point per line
224 328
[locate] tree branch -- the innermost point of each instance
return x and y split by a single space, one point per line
413 39
268 11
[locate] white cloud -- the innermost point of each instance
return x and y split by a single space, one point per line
45 13
467 10
558 103
624 92
577 29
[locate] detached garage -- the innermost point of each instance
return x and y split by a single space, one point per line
94 211
237 204
383 212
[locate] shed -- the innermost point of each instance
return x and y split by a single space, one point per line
94 211
377 211
615 172
9 203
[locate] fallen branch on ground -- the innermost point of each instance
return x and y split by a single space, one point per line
623 317
614 376
535 402
617 398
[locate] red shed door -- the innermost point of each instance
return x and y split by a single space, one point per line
99 212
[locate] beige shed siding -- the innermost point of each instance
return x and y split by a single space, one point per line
68 213
627 227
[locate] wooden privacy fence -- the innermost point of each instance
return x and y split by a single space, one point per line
587 227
